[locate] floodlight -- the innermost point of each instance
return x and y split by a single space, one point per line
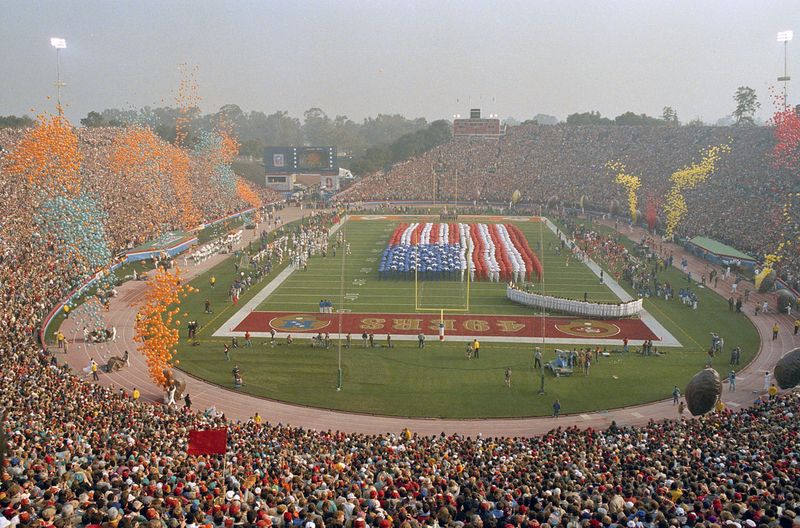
58 43
785 36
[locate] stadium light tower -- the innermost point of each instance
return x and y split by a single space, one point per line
785 37
58 44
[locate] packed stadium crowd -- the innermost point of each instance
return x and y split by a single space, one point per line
85 455
740 204
34 273
80 454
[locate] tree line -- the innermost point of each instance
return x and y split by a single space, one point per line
743 114
367 146
256 130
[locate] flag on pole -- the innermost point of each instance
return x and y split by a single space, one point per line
209 442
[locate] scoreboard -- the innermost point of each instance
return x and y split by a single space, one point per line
300 160
476 127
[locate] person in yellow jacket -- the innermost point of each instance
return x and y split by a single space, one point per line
136 394
257 419
772 391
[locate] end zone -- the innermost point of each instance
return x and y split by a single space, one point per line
510 328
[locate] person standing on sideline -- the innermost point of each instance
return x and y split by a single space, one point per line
508 377
227 352
796 326
94 371
556 408
421 340
732 381
766 381
676 395
681 408
772 391
775 330
136 394
388 340
364 338
187 402
248 339
476 347
348 340
213 281
537 358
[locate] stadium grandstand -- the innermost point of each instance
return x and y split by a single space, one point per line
79 453
557 166
119 410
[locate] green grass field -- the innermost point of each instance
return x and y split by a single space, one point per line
304 289
438 381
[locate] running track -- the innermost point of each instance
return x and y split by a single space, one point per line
238 406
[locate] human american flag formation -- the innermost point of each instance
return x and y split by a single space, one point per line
442 251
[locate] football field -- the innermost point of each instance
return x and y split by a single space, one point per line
438 380
365 292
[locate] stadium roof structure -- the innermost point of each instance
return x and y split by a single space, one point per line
719 249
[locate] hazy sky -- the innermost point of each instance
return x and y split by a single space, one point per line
428 58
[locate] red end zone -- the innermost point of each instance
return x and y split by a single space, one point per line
455 325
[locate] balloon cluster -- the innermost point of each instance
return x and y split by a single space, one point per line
75 223
89 314
187 101
156 328
790 232
48 155
247 194
786 152
137 155
178 169
215 152
786 155
630 182
690 177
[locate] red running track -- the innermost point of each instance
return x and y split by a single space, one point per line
455 325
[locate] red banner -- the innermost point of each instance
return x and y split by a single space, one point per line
209 442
